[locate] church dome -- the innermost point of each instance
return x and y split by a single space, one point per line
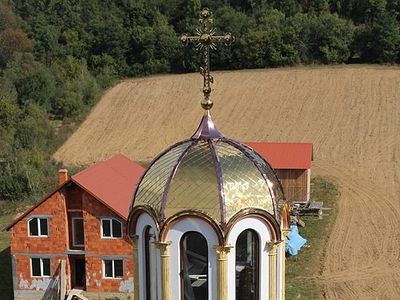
209 174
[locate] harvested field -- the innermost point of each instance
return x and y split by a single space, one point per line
351 114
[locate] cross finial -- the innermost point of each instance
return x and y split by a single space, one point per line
204 41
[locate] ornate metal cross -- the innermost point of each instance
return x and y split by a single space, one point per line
204 41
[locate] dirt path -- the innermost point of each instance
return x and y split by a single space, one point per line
352 115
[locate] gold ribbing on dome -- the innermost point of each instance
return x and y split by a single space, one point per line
204 41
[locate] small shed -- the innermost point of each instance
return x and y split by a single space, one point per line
292 164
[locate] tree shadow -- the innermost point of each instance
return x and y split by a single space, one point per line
6 283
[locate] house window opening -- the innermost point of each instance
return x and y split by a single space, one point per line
113 268
247 265
111 228
38 227
194 273
40 267
78 236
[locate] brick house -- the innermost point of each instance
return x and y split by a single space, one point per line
292 164
82 222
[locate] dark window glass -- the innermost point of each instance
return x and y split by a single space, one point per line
43 227
33 227
106 228
116 229
147 237
108 268
247 270
46 266
36 267
194 251
118 268
78 231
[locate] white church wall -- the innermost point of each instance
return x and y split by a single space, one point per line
264 235
174 235
143 222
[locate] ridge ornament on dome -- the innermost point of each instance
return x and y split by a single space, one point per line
204 41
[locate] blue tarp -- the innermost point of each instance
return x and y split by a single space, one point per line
294 241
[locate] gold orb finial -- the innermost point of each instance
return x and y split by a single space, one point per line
207 103
206 40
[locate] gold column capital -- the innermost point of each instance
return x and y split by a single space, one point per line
272 246
163 246
222 249
285 233
222 270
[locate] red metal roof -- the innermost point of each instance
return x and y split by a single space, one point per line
112 182
285 155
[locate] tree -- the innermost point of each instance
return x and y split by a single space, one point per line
12 41
379 41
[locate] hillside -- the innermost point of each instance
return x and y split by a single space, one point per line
351 115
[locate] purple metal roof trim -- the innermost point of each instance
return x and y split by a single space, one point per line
207 129
242 148
169 180
148 168
221 193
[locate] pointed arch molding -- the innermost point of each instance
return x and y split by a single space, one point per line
134 216
191 215
271 222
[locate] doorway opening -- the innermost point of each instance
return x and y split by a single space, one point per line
78 272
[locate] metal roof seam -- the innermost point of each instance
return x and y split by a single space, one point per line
220 182
169 180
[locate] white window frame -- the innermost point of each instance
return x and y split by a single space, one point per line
111 229
112 268
73 232
41 267
38 218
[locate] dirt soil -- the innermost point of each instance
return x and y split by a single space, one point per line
350 114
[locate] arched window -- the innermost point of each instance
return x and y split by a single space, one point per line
194 264
149 264
247 265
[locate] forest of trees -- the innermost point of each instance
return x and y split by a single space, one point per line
57 56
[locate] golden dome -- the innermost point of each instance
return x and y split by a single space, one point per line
210 174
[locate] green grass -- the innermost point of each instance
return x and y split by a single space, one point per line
303 269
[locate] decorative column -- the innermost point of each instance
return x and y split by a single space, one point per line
135 239
222 271
272 269
285 233
165 271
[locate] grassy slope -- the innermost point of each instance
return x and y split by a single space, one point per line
302 270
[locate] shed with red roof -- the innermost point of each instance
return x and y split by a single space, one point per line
82 222
292 164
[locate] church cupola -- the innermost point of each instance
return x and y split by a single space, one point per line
208 216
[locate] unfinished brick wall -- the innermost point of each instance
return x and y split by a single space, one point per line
23 247
98 248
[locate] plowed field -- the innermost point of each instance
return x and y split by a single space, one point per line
351 114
